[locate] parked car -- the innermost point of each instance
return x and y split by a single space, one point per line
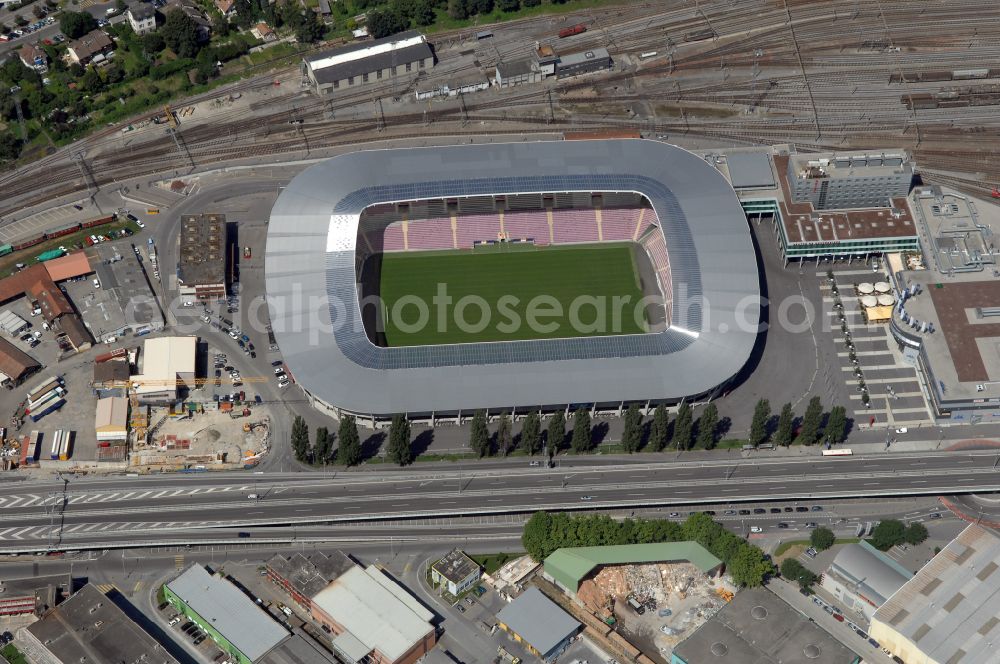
817 508
811 552
756 529
759 510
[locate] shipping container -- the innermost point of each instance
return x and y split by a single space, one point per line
66 449
34 446
52 406
54 445
35 404
6 249
47 386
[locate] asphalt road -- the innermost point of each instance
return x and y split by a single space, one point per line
140 509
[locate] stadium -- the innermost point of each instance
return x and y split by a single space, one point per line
436 281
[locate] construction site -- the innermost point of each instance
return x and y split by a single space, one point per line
201 437
657 605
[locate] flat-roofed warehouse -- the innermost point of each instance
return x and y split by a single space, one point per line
759 627
949 612
373 618
403 55
89 627
202 266
229 617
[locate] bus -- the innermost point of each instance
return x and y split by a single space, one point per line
838 452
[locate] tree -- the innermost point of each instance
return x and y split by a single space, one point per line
220 26
459 9
793 570
481 6
887 534
536 536
300 438
836 425
822 538
180 33
152 43
479 435
531 433
37 11
915 533
683 424
707 424
758 426
10 146
400 449
581 440
658 429
504 435
632 434
531 3
423 12
556 433
385 22
309 30
508 5
747 565
322 446
76 24
809 431
783 432
349 449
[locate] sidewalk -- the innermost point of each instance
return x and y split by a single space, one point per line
838 630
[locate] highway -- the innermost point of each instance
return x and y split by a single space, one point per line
85 513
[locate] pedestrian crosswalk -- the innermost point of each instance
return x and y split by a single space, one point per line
179 562
105 588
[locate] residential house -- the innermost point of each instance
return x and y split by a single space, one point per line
142 18
34 57
88 47
263 32
194 13
226 7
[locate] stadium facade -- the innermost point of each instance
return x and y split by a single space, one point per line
311 282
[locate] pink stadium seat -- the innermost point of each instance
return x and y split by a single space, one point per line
535 224
619 223
569 226
430 233
473 227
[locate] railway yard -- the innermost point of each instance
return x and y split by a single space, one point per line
821 75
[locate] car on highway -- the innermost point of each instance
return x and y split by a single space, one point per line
935 515
674 515
902 430
782 525
586 497
812 524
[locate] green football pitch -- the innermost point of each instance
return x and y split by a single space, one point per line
521 293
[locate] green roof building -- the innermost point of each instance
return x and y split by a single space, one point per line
567 568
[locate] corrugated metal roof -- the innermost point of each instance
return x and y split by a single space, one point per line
538 620
569 566
228 611
310 269
956 596
376 610
870 569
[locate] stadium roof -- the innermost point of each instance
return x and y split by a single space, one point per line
570 566
310 278
231 613
538 620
